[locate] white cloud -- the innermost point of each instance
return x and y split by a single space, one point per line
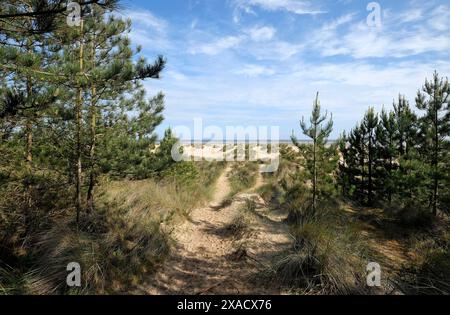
346 89
440 18
147 19
194 24
275 50
412 15
217 46
255 71
256 74
295 6
148 30
147 39
342 20
396 38
260 34
259 42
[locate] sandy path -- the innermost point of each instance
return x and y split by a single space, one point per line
222 188
200 263
259 182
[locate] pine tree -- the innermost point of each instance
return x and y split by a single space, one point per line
78 119
90 68
361 158
351 165
318 131
162 159
369 127
434 100
128 136
358 159
406 138
25 96
406 122
106 71
387 151
43 14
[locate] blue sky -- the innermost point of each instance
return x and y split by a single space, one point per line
261 62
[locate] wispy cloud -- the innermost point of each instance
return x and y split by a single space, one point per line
348 37
216 46
257 94
255 70
147 19
148 29
260 42
263 33
440 18
267 68
294 6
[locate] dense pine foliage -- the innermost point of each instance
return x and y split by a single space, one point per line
401 155
73 105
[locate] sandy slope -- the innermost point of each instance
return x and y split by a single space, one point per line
202 263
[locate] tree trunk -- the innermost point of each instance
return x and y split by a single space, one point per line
29 132
92 175
363 178
435 160
370 172
29 166
78 113
314 177
390 176
29 154
93 126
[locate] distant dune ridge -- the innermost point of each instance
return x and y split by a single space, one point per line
210 142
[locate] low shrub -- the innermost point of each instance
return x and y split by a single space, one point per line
298 204
411 215
326 258
271 192
243 176
129 247
429 270
238 225
182 173
249 206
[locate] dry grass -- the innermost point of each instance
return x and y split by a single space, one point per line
242 221
428 271
160 201
327 257
115 247
121 242
238 225
242 176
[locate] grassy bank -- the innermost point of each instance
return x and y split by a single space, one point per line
242 176
126 238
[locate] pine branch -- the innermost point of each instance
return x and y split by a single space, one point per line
60 8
